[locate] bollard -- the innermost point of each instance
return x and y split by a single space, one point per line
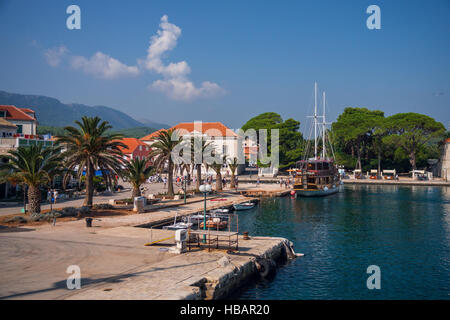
88 222
246 237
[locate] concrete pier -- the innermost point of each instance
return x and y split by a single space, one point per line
115 263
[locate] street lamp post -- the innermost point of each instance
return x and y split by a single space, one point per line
184 180
204 188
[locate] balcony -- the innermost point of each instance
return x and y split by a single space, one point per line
22 140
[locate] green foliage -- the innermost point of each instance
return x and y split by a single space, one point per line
354 130
90 147
291 143
412 132
166 142
54 131
32 165
402 141
137 172
137 132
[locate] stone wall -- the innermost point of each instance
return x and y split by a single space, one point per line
223 281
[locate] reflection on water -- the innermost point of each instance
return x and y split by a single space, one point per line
404 230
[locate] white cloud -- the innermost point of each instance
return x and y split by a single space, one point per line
103 66
185 90
175 84
54 56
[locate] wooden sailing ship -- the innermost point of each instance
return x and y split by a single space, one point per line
317 176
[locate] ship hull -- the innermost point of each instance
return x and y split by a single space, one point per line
317 193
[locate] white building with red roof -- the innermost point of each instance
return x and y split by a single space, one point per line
135 149
18 128
23 118
224 140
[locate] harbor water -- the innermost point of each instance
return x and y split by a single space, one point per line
404 230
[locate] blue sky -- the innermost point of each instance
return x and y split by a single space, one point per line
255 56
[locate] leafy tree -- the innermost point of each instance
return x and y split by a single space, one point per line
166 142
137 172
411 132
217 167
291 143
33 166
354 129
201 146
89 148
233 165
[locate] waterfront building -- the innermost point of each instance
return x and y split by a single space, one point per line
224 140
135 149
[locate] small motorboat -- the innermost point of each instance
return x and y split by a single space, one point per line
220 211
195 218
215 223
178 226
243 206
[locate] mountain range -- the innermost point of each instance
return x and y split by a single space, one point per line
52 112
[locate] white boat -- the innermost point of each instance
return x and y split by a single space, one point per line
178 226
195 218
220 211
243 206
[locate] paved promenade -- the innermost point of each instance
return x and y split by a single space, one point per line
34 259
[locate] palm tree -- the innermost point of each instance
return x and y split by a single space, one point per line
217 167
137 172
89 148
166 141
233 165
33 167
199 145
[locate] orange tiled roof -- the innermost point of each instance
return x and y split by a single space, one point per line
14 113
132 144
212 129
152 135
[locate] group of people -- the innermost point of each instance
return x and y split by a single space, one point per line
285 182
52 195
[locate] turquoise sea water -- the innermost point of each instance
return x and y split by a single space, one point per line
403 230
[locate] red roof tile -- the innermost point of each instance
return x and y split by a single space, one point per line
14 113
132 144
212 129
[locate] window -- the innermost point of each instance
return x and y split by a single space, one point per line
19 128
225 149
2 114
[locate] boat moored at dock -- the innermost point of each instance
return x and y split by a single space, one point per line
317 176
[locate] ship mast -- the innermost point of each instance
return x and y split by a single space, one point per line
324 128
315 120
